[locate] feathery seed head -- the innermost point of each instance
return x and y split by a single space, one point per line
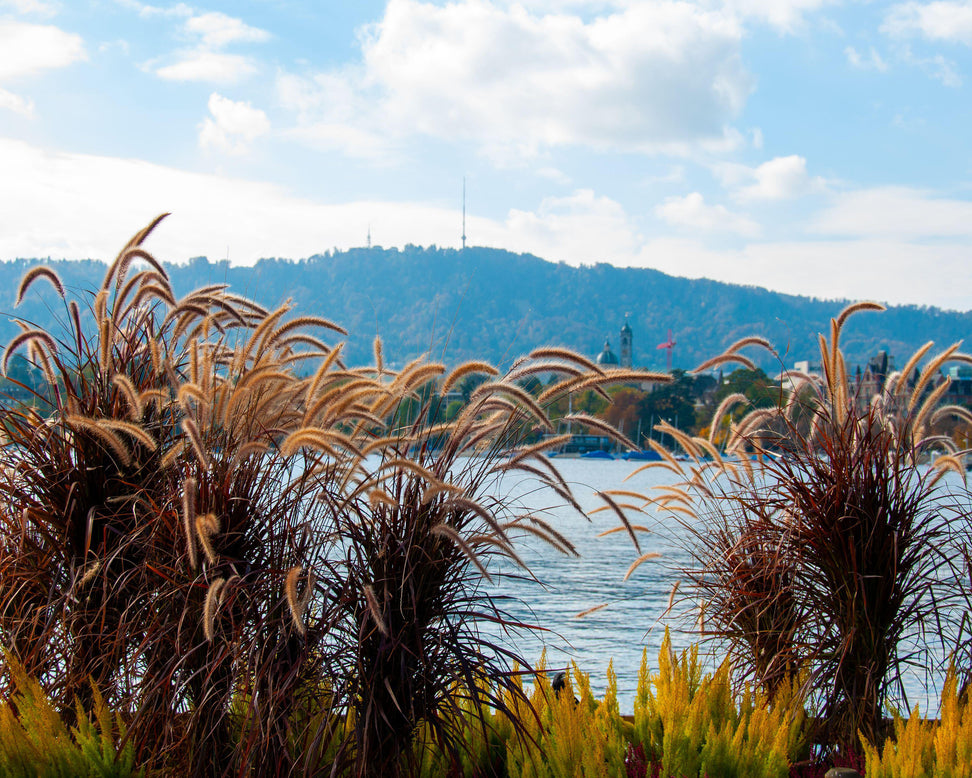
207 527
189 518
209 607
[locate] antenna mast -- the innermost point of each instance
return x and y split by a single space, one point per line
464 213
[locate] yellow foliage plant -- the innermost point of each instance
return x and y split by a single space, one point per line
694 725
570 733
478 729
35 741
688 724
920 749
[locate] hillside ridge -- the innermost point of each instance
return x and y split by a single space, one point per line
488 303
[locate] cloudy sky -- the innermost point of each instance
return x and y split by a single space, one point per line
820 147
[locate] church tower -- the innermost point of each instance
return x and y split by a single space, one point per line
626 343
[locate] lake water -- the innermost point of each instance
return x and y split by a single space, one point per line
635 615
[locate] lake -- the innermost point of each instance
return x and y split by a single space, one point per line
635 615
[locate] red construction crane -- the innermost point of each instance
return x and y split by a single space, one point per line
669 346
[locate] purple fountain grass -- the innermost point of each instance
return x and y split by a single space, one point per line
826 561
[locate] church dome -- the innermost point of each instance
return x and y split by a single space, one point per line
607 357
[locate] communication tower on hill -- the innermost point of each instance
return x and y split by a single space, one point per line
463 212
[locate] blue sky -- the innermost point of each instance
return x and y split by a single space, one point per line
816 147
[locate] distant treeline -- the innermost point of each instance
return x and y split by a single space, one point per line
496 305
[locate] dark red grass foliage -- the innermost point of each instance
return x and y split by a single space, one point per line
265 572
829 563
870 567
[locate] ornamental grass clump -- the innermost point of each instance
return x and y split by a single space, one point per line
266 561
150 523
77 471
252 544
419 527
825 559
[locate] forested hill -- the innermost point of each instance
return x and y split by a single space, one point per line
492 304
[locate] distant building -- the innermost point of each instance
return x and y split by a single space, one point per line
627 342
871 381
607 357
960 390
626 339
808 367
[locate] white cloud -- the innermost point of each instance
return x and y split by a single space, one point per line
26 49
896 212
944 20
937 66
781 178
146 10
119 45
653 76
74 205
232 126
208 66
692 211
332 114
30 7
784 15
675 175
16 103
870 61
554 174
732 175
908 122
581 228
207 60
217 30
872 269
77 205
944 70
547 6
881 267
349 139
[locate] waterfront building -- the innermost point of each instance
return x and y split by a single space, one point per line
871 381
960 390
607 357
627 343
